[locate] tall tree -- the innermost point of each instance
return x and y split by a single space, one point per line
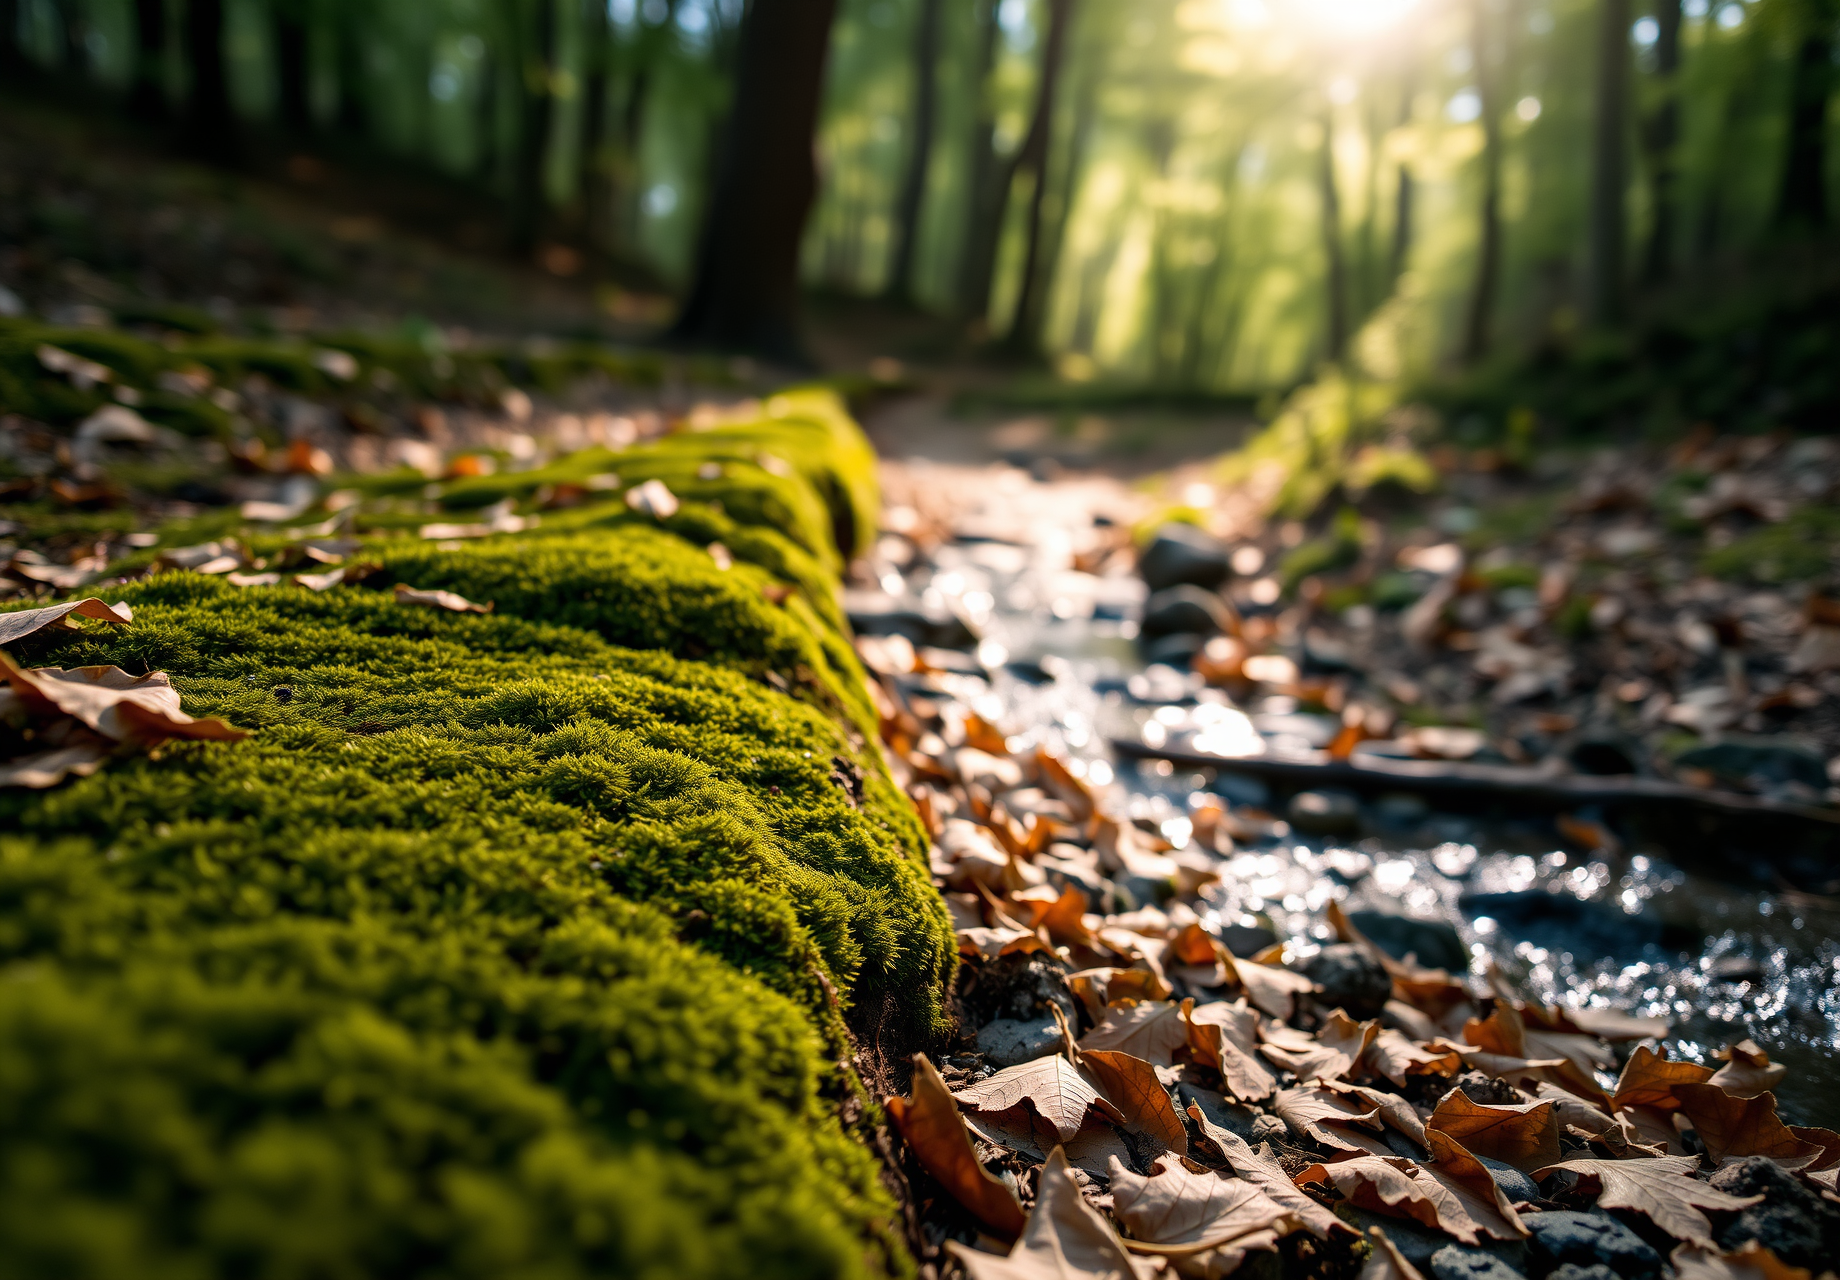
989 181
643 52
147 97
1486 283
746 291
1607 222
1403 186
899 285
1335 270
528 196
1033 157
1803 200
293 106
596 164
1661 139
210 126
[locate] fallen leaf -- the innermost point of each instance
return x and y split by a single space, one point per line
1130 1085
1065 919
1752 1262
1648 1080
1608 1024
988 944
1152 1030
1056 1092
1268 1177
1206 1222
48 768
1826 1139
25 622
1394 1110
1098 988
1272 989
1386 1262
1748 1070
1401 1189
1525 1135
1309 1110
1063 1239
1470 1181
448 600
1395 1056
1069 789
931 1124
134 710
1732 1126
1224 1035
1339 1043
1663 1189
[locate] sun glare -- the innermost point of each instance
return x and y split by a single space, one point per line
1351 17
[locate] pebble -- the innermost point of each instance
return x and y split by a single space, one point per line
1350 980
1183 553
1455 1262
1514 1184
1588 1239
1010 1043
1792 1221
1185 609
1572 1271
1436 944
1325 813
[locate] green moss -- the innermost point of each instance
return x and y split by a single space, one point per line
508 944
1806 545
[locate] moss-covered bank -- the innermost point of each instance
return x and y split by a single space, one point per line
514 944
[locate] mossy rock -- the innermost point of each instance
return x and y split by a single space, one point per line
508 944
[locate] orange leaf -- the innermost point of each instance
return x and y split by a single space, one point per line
930 1123
1130 1084
1648 1080
1663 1189
1525 1135
1152 1030
1741 1126
1064 1238
1224 1036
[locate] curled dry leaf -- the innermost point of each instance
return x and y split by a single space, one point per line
1271 989
1050 1087
1663 1189
1748 1070
1130 1085
451 601
1063 1239
1752 1262
1206 1223
1648 1080
1311 1110
25 622
1525 1135
1224 1036
1386 1262
1268 1177
1338 1045
1732 1126
1396 1057
1470 1181
1152 1030
930 1123
1395 1110
1401 1189
1098 988
1070 790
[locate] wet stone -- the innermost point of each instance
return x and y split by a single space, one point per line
1514 1184
1756 763
1588 1239
1436 944
1246 940
1479 1086
1186 610
1350 980
1572 1271
1182 553
1455 1262
1325 813
1010 1043
1792 1221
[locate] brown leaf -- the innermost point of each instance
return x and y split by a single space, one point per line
1395 1110
1469 1180
1098 988
25 622
1386 1262
1339 1044
1648 1080
1056 1092
1268 1177
1207 1222
1748 1070
135 710
1525 1135
1663 1189
1152 1030
406 594
1310 1110
1072 791
1401 1189
1065 919
1224 1035
930 1123
1752 1262
1502 1032
1269 988
1130 1084
1395 1056
1826 1139
48 768
1063 1239
1608 1024
1732 1126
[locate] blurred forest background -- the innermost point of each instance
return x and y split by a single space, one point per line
1588 207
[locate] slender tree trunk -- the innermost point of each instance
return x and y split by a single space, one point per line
595 164
1488 242
1662 136
71 20
989 184
528 197
1036 317
210 126
899 286
632 125
1608 224
1335 271
1033 155
747 272
1402 196
1803 201
293 102
147 99
353 111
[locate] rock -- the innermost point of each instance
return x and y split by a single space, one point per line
1514 1184
1587 1240
1793 1222
1008 1042
1185 609
1176 650
1758 764
1182 553
1479 1086
1350 980
1416 1243
1246 940
1325 813
876 613
1436 944
1603 754
1223 1111
1572 1271
1018 987
1560 922
1455 1262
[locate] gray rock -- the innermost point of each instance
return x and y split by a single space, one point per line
1792 1222
1572 1271
1246 940
1514 1184
1182 553
1185 609
1221 1110
1009 1043
1416 1243
1350 980
1176 650
1436 944
1456 1262
1325 813
1588 1239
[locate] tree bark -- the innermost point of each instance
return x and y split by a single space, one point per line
292 100
596 166
1607 226
1662 139
147 99
1033 155
1803 202
899 286
1335 271
747 286
210 126
989 184
528 198
1402 195
1483 289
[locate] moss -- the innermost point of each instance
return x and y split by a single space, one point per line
508 944
1806 545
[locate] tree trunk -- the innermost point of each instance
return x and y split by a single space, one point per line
1402 196
1488 242
747 274
210 127
632 126
1084 114
1803 202
989 184
73 25
595 164
353 108
528 197
1662 137
899 286
293 103
1033 155
147 99
1335 272
1609 167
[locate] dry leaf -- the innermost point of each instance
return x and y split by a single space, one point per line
1272 989
25 622
930 1123
1268 1177
1130 1084
1752 1262
1826 1139
1401 1189
1224 1036
1525 1135
1070 790
1663 1189
1386 1262
1339 1044
1063 1239
406 594
1748 1070
1395 1110
1470 1181
1207 1223
135 710
1608 1024
1648 1080
653 498
1152 1030
48 768
1056 1092
1395 1056
1731 1126
1098 988
1311 1109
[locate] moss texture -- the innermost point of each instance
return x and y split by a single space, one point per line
511 945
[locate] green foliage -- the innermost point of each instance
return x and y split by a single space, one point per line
1806 545
1336 549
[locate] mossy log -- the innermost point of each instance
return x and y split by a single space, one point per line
515 944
